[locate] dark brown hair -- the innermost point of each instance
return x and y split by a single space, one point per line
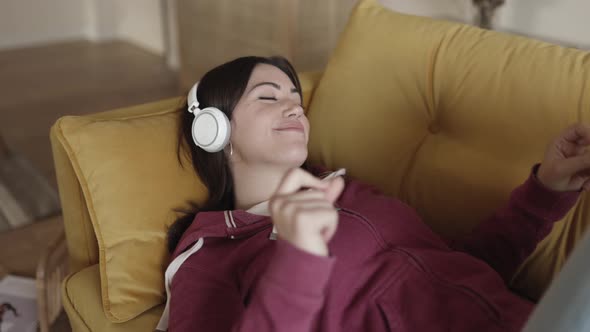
221 87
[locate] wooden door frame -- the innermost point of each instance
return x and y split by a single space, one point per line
170 33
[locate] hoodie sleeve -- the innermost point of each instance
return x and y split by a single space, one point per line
287 297
512 233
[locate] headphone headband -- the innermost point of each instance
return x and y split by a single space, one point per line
193 103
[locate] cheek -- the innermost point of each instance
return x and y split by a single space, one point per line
249 130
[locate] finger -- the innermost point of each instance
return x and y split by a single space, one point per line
306 195
578 134
335 189
574 165
296 179
328 232
317 217
580 150
565 147
326 223
277 202
297 208
577 181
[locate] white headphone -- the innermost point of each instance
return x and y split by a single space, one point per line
211 128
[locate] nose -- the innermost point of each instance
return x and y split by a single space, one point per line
293 110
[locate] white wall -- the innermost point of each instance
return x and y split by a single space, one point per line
137 21
566 21
560 21
31 22
456 10
171 36
140 21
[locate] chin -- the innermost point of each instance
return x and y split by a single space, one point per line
294 157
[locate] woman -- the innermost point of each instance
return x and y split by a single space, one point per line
345 258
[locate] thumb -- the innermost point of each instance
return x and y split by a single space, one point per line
335 188
577 164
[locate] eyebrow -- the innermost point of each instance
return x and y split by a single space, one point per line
274 85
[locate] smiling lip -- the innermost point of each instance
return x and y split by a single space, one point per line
291 127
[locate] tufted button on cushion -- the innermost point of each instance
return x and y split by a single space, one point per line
434 128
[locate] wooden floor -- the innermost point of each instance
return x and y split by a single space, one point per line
38 85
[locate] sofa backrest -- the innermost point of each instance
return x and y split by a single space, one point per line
449 118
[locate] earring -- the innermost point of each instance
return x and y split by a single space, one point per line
231 149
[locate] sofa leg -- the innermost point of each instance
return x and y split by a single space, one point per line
51 270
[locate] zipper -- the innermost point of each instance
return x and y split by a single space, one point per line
466 290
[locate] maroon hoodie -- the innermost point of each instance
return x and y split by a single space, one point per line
387 270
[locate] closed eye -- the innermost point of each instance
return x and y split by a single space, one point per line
275 99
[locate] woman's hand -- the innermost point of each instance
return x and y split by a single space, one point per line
566 166
306 218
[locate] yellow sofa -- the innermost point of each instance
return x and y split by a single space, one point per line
446 117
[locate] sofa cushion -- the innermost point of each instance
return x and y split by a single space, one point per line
81 298
449 118
131 181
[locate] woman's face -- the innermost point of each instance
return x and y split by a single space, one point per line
268 123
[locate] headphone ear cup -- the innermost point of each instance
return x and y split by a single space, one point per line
211 129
